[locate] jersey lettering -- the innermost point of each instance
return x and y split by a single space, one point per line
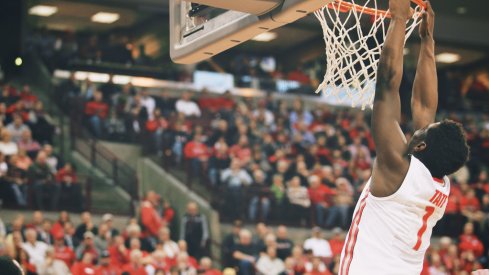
439 199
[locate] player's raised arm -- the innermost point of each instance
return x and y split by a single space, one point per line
424 100
391 165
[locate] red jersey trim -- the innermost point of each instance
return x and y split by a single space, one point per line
439 180
350 244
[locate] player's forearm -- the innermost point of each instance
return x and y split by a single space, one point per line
424 100
390 68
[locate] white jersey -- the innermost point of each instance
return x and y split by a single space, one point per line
390 235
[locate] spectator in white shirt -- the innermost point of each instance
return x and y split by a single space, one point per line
3 231
51 159
7 146
269 263
148 102
167 245
35 249
235 176
235 179
319 246
52 266
187 107
16 127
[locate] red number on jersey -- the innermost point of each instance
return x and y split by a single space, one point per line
429 211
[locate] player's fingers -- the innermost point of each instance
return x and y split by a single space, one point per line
424 15
429 8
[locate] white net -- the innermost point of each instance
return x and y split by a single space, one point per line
354 37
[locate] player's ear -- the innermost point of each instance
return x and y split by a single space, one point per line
420 146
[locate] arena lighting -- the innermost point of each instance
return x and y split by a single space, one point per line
265 37
447 58
98 77
105 17
43 10
148 82
93 77
121 79
18 62
462 10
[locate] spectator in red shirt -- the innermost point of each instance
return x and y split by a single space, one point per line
470 242
87 246
135 265
150 218
159 261
205 267
337 241
63 252
452 222
469 204
197 153
96 112
215 104
168 212
320 196
118 252
68 180
105 267
85 266
28 97
155 127
299 76
241 150
317 268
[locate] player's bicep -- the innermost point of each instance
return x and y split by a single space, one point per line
422 115
390 142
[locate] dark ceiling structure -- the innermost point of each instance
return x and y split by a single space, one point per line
461 26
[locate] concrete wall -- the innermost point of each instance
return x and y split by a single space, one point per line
153 177
128 153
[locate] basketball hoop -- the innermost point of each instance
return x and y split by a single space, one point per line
354 34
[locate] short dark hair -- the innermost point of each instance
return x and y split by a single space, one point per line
446 148
9 267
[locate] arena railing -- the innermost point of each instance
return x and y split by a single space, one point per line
123 175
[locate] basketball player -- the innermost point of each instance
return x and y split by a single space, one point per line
407 193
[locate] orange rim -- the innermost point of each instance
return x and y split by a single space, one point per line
344 6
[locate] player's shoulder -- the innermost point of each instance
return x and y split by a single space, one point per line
388 178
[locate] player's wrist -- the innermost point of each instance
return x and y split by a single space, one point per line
399 18
427 41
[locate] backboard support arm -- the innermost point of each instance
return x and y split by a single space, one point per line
229 29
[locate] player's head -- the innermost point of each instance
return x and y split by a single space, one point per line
10 267
441 146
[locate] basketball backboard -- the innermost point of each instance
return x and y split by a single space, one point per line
196 34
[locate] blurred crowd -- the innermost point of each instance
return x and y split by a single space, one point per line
59 48
147 245
274 252
282 161
461 88
61 247
31 174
